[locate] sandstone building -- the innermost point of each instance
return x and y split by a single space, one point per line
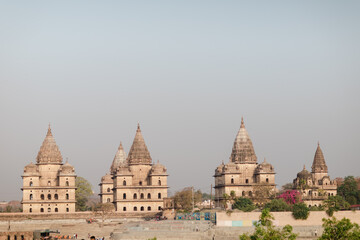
134 184
242 174
48 185
315 187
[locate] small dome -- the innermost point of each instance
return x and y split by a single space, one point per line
220 168
158 169
67 168
30 168
264 167
231 167
107 178
304 174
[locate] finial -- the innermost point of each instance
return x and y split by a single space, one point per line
138 126
304 167
264 160
49 130
67 160
222 162
318 143
242 122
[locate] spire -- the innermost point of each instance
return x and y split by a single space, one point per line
243 150
49 151
319 165
242 123
119 159
139 154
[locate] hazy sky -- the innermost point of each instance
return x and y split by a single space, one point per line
187 71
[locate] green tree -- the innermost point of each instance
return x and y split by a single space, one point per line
265 230
183 199
340 229
243 204
300 211
334 204
278 205
82 193
349 190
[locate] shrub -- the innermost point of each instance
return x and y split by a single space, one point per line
278 205
300 211
334 204
243 204
340 230
264 229
291 196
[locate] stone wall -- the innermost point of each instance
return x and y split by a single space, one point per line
244 219
16 235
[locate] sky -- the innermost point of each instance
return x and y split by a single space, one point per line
187 71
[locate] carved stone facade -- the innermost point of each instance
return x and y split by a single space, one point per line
242 174
48 185
134 183
315 187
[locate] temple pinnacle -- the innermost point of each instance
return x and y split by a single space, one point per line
242 123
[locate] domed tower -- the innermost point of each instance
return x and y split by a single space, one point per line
139 186
107 181
49 185
242 174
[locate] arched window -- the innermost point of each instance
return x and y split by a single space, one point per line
159 182
30 210
140 183
159 195
49 183
149 208
135 196
124 209
108 200
49 209
56 196
142 209
232 181
67 196
159 208
124 195
247 181
42 196
135 209
250 193
31 197
8 237
15 237
108 190
141 196
56 210
243 193
49 196
67 209
149 196
267 180
41 210
124 183
67 183
31 184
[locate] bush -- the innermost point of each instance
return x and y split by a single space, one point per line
334 204
300 211
291 196
243 204
264 229
278 205
316 208
341 230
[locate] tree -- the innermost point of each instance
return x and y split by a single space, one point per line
300 211
349 190
334 204
184 199
104 209
82 193
243 204
278 205
291 196
263 192
286 186
340 229
264 229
